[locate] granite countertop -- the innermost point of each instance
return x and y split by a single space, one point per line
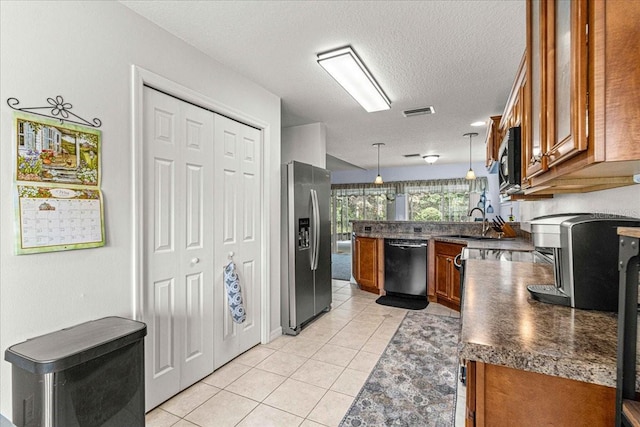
517 244
440 231
503 325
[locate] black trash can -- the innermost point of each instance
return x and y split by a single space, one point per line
89 375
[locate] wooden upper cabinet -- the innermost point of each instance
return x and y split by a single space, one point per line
492 141
580 122
557 92
614 64
566 82
533 141
514 109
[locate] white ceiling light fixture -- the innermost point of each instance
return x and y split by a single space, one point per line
431 158
349 71
479 123
470 173
378 179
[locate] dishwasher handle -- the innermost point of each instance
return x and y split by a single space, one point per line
407 246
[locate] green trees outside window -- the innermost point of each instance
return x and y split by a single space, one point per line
357 204
426 200
437 206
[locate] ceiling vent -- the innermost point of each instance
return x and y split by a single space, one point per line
419 111
411 155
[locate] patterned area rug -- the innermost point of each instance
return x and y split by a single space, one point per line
414 382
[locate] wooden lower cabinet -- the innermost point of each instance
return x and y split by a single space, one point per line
501 396
447 276
367 264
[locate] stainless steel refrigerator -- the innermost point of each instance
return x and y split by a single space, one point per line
306 245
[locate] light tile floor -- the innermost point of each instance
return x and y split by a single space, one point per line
308 380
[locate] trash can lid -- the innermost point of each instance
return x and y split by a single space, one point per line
72 346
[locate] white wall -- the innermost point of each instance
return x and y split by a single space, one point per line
618 201
405 173
306 144
84 51
510 207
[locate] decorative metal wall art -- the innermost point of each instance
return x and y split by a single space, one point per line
59 110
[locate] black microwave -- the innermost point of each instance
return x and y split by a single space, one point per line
510 162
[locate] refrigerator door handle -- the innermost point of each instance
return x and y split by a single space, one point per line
317 211
312 232
316 229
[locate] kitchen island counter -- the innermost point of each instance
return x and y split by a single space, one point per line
440 231
502 325
368 257
510 244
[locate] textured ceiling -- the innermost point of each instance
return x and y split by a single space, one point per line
459 56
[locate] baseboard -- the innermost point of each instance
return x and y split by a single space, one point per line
274 334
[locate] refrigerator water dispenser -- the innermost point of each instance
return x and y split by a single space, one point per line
303 233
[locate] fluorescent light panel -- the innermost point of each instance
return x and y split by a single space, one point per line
350 72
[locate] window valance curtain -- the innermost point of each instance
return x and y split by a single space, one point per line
365 186
453 185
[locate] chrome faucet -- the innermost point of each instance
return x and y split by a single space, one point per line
485 225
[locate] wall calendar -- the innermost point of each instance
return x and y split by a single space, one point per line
59 204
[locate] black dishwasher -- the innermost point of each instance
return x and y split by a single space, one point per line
405 267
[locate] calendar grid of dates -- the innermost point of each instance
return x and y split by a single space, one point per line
52 222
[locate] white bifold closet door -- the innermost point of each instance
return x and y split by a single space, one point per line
178 244
202 201
238 225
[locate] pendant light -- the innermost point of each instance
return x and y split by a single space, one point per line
470 174
378 177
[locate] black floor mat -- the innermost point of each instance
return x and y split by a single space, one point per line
403 301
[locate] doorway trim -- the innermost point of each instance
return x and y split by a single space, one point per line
141 77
